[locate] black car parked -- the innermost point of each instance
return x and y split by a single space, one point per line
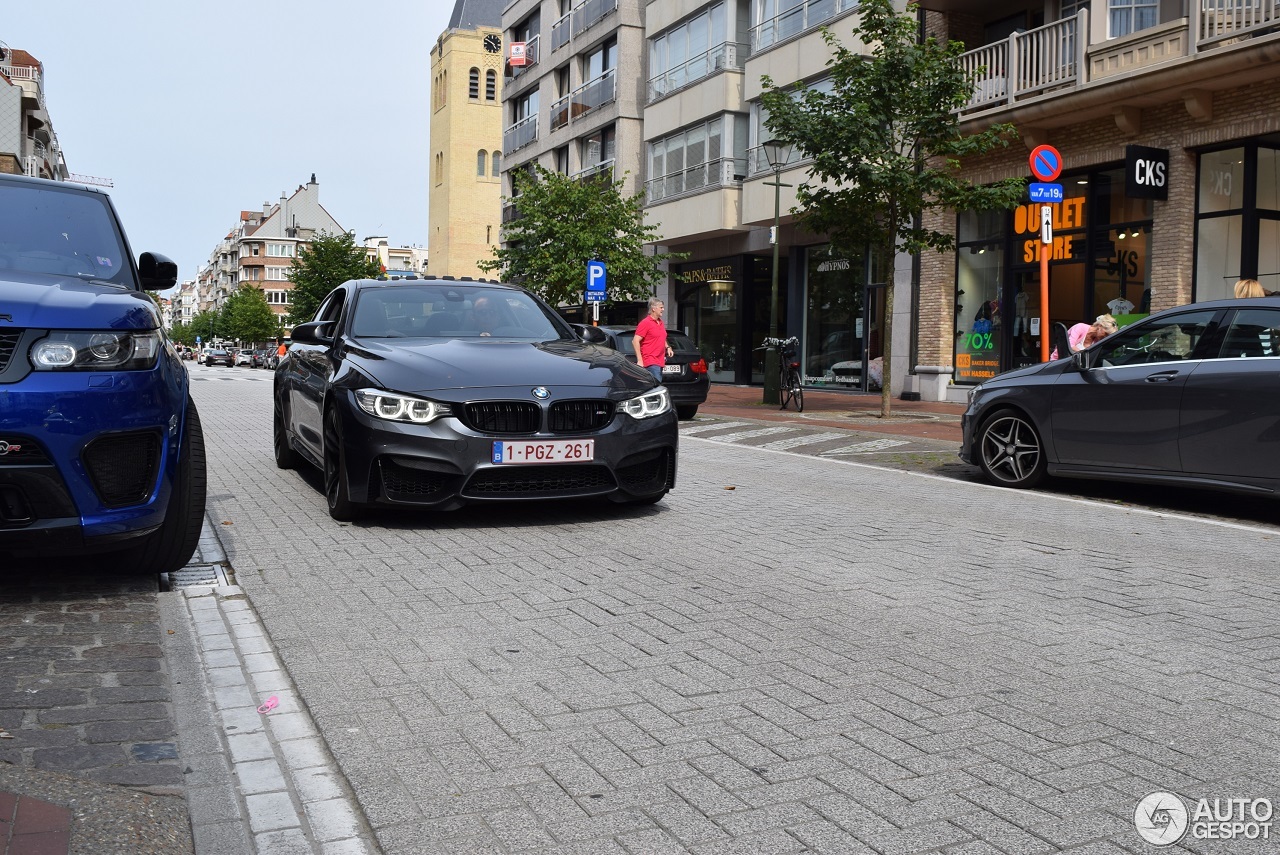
1188 396
433 393
685 373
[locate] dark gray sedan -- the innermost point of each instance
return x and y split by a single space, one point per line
1188 396
434 393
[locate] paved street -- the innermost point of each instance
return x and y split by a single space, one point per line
791 653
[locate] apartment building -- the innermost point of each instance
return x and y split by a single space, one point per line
396 260
28 145
1167 116
261 249
709 187
464 197
575 104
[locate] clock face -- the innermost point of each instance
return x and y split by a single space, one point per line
492 43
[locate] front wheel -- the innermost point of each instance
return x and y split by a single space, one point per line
797 390
336 490
1010 451
286 457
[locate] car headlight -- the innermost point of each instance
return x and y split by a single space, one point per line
655 402
107 350
401 408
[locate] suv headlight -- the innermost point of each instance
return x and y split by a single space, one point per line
106 350
655 402
401 408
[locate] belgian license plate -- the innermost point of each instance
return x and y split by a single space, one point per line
671 369
551 451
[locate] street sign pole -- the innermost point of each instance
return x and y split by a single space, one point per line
1046 249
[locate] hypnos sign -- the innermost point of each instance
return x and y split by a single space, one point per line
1146 172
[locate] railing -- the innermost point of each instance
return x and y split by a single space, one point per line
758 163
1227 19
722 56
20 72
797 19
723 172
38 149
1027 63
560 31
560 113
510 213
595 170
31 166
588 13
593 94
520 134
530 57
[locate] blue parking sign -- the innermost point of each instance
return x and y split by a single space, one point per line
596 276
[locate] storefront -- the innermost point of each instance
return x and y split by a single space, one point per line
724 306
1238 217
842 341
1099 263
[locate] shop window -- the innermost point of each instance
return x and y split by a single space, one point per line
1238 209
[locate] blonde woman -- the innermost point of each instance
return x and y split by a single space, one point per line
1249 288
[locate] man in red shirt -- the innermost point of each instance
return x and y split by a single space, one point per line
650 341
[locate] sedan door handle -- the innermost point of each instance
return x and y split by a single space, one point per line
1162 377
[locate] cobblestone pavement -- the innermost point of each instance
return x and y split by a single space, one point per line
789 654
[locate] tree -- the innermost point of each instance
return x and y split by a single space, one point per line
248 317
183 334
329 261
208 325
886 146
565 222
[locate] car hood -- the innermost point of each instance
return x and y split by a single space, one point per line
45 302
1028 371
436 365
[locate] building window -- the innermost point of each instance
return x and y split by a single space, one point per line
685 162
600 60
482 161
490 85
280 250
1130 16
562 160
496 169
687 52
277 274
598 149
253 250
473 85
1237 220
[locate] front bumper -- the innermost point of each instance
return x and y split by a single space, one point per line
446 464
96 457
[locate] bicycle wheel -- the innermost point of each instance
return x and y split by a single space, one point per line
797 391
784 389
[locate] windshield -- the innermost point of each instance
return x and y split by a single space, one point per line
60 232
446 311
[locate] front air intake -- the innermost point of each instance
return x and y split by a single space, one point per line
123 466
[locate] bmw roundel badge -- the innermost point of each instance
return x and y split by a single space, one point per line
541 393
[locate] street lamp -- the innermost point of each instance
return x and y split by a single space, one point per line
777 153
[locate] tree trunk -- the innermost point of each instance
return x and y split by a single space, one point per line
886 399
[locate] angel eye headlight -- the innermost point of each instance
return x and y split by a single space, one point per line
401 408
655 402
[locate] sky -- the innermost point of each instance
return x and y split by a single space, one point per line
197 110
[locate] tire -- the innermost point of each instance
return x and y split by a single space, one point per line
1010 451
686 412
171 546
797 390
336 491
286 457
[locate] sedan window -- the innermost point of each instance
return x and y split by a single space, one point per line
1166 340
1253 332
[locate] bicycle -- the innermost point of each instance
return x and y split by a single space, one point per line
790 387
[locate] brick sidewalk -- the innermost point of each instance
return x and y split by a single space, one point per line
33 827
921 419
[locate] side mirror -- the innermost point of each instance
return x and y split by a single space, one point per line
593 335
315 332
1081 360
156 272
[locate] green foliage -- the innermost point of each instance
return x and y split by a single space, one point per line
248 317
182 333
329 261
565 222
885 144
208 325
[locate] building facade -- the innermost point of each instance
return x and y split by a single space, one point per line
1167 116
464 197
396 260
28 145
260 250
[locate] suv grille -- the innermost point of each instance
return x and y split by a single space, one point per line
123 466
8 344
502 416
579 416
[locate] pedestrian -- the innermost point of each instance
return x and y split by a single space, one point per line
1249 288
650 341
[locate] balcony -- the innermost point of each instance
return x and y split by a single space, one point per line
796 20
724 172
530 57
728 55
758 163
1060 57
560 32
587 14
520 134
587 97
510 213
601 171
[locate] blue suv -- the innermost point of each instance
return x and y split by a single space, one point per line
100 443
